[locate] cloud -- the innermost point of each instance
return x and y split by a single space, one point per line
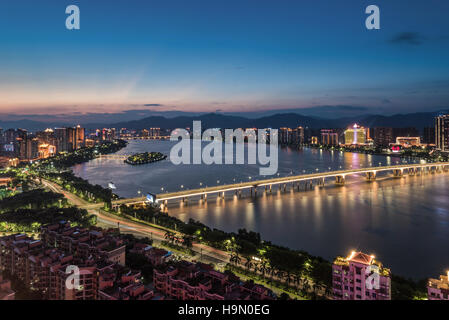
153 105
386 101
411 38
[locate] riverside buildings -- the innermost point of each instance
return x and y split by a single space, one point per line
43 144
438 289
360 277
442 133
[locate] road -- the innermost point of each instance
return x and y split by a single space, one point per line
203 253
206 253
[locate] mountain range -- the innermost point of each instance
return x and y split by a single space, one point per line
219 120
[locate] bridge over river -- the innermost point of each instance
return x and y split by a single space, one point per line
308 181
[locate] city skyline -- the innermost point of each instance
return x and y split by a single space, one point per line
209 57
245 151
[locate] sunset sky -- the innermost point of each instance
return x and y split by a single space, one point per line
222 55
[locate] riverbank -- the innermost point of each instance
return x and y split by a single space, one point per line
417 153
106 166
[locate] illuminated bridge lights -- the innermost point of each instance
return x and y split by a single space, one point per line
340 176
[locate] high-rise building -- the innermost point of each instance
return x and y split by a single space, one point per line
383 136
61 136
28 148
360 277
429 135
10 136
329 137
79 137
155 132
442 132
284 135
145 133
298 135
438 289
355 135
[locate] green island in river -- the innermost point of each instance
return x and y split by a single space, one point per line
145 157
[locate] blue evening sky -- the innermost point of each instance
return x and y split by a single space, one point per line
195 55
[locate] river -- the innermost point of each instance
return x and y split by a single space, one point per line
404 222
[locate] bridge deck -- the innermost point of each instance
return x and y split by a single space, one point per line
280 180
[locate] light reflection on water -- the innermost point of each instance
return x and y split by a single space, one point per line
404 222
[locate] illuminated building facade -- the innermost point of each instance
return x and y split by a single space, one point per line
284 135
442 132
360 277
407 142
291 136
355 135
46 150
329 137
438 289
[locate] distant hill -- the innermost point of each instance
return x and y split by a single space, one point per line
219 120
417 120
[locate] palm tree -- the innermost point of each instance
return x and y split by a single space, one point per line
306 286
235 259
248 263
187 241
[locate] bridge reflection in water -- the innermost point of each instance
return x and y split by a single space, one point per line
283 183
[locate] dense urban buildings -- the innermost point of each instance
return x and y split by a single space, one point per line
360 277
197 281
293 136
42 264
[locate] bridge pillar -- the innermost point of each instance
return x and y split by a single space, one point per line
398 173
371 176
223 195
270 188
340 180
285 187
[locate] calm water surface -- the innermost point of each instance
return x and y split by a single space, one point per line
404 222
